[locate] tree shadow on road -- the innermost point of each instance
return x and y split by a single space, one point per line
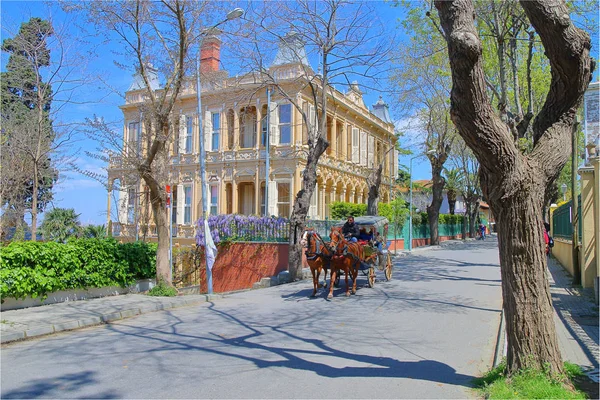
298 352
68 385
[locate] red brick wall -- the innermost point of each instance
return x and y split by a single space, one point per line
210 55
240 265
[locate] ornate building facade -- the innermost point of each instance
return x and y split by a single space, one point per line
238 120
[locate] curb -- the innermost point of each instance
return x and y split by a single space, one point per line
44 330
500 352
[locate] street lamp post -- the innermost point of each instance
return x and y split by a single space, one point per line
564 191
410 227
233 14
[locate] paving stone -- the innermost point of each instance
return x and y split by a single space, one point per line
89 321
11 336
130 312
111 317
65 326
39 330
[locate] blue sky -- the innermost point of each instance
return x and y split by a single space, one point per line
87 196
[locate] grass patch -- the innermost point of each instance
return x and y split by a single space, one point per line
162 289
528 384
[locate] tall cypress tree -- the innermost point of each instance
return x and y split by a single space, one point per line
27 134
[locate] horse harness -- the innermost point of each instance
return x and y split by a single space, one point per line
316 254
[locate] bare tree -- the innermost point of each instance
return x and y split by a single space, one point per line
347 43
514 183
152 34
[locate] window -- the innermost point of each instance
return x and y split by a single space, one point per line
133 137
187 205
131 195
304 126
263 125
230 133
216 128
248 127
283 199
349 143
214 199
285 123
188 134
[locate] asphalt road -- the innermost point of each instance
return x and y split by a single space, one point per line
425 334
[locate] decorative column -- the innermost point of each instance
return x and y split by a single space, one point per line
258 127
344 134
588 257
234 196
257 189
236 128
333 143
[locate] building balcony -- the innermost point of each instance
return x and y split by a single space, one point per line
128 231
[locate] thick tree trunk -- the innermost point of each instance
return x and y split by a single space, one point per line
433 210
527 303
374 181
161 219
513 183
300 210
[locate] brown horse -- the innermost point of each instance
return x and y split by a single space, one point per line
347 257
318 256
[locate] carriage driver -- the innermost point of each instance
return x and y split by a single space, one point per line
350 230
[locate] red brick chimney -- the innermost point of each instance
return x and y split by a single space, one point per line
210 54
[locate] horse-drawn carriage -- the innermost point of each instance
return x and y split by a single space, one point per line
340 255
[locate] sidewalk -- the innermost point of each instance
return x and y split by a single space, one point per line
576 318
43 320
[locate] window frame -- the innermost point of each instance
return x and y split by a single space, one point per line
187 207
285 124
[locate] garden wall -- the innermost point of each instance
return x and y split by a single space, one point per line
239 265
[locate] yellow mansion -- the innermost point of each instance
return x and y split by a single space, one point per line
236 131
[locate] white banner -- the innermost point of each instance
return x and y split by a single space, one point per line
210 249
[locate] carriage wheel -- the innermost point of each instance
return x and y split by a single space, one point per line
388 268
371 277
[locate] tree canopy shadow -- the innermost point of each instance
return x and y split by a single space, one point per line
68 385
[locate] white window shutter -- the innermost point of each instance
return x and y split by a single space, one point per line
355 147
180 204
182 133
123 202
273 195
371 152
207 131
363 148
273 127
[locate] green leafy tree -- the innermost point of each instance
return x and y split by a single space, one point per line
516 183
453 186
94 231
27 136
396 212
60 224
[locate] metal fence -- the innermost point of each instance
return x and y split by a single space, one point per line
562 220
242 228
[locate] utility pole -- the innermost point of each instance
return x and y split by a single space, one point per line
574 205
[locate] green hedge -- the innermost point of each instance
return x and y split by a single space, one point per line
36 269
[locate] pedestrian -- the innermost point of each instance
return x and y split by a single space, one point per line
482 231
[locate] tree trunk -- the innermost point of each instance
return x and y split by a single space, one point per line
161 219
527 303
374 181
514 184
451 201
300 211
34 202
433 210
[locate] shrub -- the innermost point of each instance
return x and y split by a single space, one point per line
36 269
162 289
341 209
